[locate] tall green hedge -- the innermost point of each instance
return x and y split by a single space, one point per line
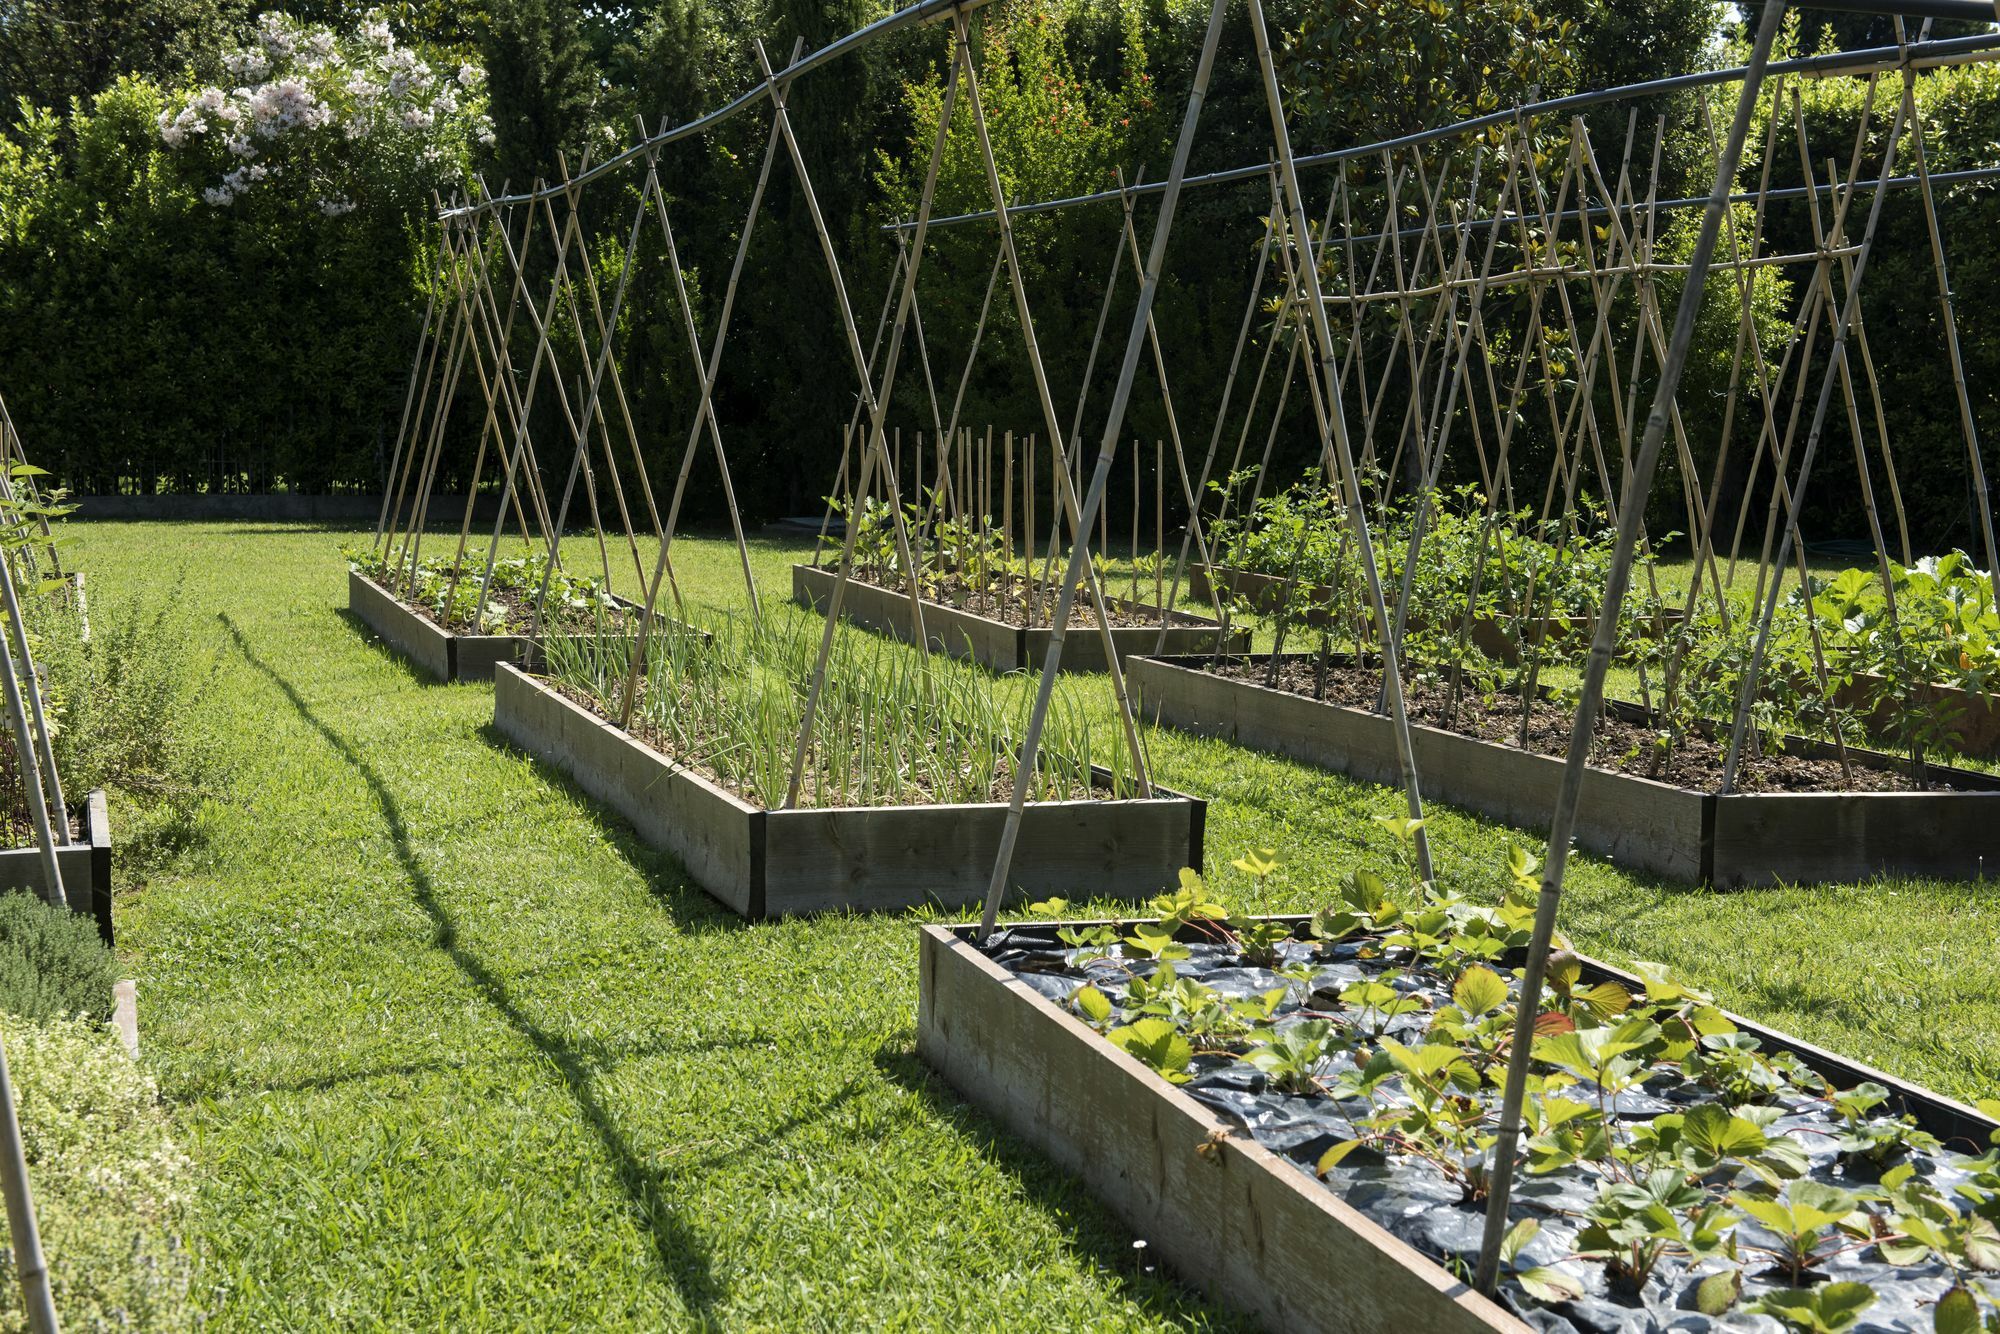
158 332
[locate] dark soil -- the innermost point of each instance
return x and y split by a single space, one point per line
1621 744
1005 599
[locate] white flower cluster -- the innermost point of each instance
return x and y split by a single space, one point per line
298 80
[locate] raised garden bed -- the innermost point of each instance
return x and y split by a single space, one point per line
1004 647
443 653
1262 593
1737 841
1265 594
1225 1174
448 655
85 863
765 863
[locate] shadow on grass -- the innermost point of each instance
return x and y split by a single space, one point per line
1095 1235
677 1247
694 912
596 1056
366 633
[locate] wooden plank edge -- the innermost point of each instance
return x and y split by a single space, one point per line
125 1015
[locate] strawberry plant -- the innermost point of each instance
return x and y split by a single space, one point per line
1397 1018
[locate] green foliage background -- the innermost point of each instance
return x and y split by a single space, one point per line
153 343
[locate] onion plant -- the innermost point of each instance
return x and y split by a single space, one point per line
892 727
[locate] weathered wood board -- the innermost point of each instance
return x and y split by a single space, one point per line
995 644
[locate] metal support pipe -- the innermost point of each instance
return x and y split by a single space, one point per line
24 744
1920 55
44 752
30 1264
922 13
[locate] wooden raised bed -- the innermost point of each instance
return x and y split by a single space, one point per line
445 654
1265 594
440 652
85 865
1732 842
766 864
1246 1225
1003 647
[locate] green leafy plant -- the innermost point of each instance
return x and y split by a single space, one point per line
1296 1055
1632 1226
1415 1077
53 964
1829 1309
1806 1220
1159 1044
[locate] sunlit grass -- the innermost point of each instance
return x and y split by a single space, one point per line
451 1049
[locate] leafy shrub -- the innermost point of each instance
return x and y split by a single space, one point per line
52 963
112 1191
126 712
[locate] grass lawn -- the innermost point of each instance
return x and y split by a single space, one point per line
452 1050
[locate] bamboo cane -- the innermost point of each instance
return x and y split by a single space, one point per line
1065 494
1638 482
708 376
878 404
1837 360
1093 501
25 748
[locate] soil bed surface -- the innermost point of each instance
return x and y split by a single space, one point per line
519 613
1620 744
908 791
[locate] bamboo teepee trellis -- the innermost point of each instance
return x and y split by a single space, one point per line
1527 306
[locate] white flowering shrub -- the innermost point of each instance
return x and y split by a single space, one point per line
113 1190
322 118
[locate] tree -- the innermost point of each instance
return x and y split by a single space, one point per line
542 87
57 52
